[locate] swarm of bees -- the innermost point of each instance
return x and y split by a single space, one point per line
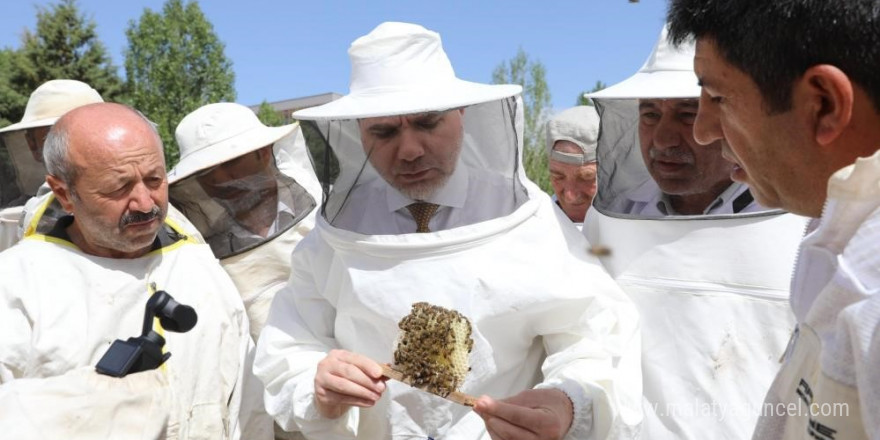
433 347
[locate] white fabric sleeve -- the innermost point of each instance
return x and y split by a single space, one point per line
248 418
15 334
594 356
253 421
82 404
856 348
10 226
866 348
299 334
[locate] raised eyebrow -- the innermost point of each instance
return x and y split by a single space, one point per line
158 171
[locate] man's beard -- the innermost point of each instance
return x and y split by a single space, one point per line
423 190
113 237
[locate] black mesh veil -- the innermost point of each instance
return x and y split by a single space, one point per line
491 150
627 187
238 214
21 174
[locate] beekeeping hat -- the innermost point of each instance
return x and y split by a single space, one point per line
216 133
579 125
667 73
53 99
401 68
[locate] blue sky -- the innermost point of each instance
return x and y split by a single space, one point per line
287 49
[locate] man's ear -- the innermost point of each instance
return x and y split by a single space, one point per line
62 192
831 98
265 154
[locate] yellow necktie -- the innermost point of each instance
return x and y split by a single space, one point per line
422 213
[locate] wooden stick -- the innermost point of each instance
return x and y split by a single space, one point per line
455 396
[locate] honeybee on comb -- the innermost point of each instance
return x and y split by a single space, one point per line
432 351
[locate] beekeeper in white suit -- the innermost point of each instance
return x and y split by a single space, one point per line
21 158
792 87
550 328
68 291
714 310
251 191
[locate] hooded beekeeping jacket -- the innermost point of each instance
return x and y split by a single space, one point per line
259 266
60 309
544 313
712 289
829 384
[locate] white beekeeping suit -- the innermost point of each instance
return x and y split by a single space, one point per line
712 289
225 140
60 309
84 405
544 313
825 382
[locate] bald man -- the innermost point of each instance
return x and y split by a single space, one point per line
81 281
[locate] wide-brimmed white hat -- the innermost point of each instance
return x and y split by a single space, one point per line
51 100
401 68
219 132
668 73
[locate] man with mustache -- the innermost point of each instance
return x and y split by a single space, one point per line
685 178
714 312
691 177
79 282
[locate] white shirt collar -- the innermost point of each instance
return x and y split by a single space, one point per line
664 205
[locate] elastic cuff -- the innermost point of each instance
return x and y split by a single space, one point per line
311 422
582 407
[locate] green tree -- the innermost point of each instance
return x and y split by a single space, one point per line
12 102
174 64
582 100
268 115
64 45
532 76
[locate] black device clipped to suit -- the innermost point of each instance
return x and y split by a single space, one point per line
144 352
